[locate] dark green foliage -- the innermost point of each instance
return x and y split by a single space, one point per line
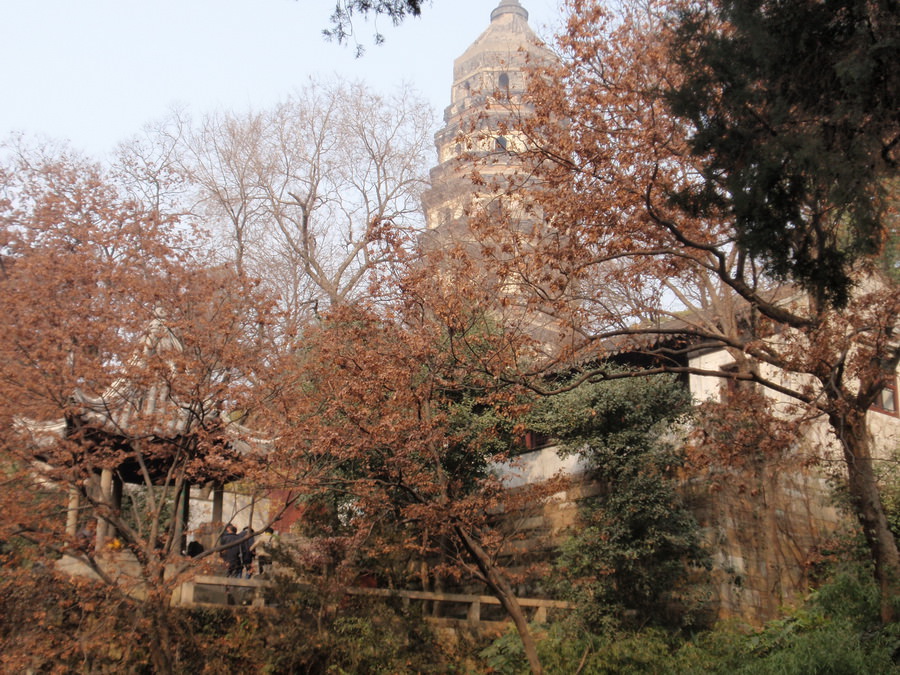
837 632
889 478
475 432
795 117
565 649
136 509
610 420
637 537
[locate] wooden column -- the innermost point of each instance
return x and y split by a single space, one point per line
106 500
72 511
185 514
181 515
117 488
218 499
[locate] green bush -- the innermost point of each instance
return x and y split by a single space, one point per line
837 632
636 540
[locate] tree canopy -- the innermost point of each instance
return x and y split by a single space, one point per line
637 531
123 351
793 114
678 223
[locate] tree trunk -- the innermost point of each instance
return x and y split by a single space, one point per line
160 635
507 597
853 434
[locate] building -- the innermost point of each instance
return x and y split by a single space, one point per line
486 97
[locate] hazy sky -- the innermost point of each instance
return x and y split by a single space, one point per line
96 71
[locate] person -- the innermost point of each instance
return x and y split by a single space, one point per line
262 547
194 548
232 554
246 554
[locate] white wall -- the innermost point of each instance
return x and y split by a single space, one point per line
538 466
885 428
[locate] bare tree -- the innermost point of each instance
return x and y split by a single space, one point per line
314 196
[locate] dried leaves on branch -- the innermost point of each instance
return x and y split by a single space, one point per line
123 353
693 201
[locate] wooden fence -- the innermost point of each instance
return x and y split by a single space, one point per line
474 602
216 591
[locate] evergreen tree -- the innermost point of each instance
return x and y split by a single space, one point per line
794 106
636 535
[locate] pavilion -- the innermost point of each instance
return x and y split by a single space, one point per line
139 431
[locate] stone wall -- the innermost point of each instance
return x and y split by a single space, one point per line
766 527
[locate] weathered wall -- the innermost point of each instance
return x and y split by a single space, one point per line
766 526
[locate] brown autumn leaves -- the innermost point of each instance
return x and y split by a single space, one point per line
310 316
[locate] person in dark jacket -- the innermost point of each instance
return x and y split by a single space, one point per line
246 536
232 554
194 548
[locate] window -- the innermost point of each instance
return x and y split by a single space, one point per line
501 142
534 440
886 401
503 82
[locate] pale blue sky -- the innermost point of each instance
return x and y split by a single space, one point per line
95 71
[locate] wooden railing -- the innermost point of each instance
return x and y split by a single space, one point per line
233 591
474 602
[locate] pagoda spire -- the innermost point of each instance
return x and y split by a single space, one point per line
509 7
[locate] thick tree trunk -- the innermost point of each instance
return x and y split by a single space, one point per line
160 636
853 434
504 592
